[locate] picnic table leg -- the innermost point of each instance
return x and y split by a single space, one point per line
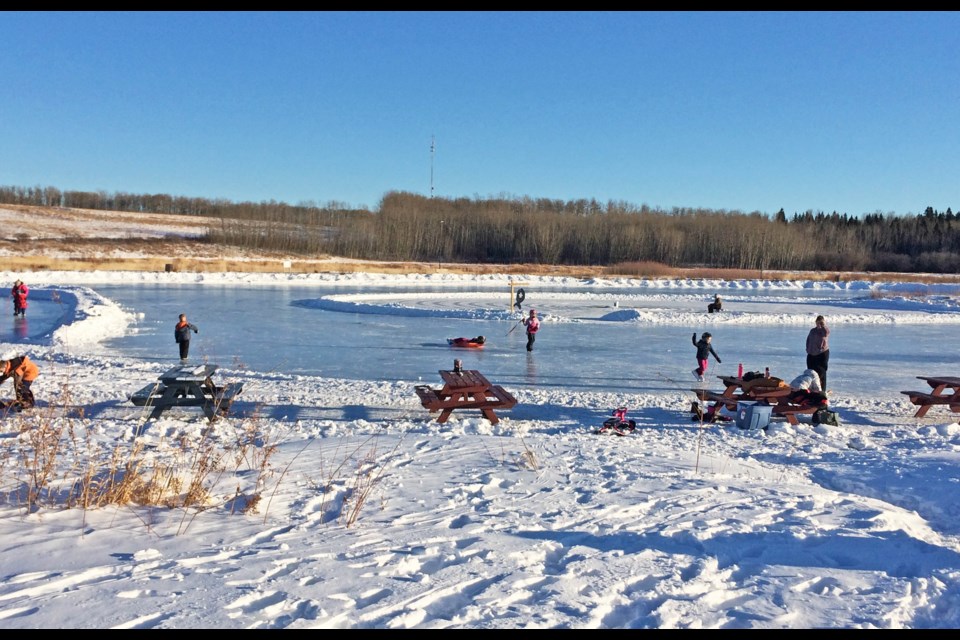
162 402
206 403
922 411
490 415
444 415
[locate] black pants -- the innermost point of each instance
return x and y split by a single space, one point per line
184 349
819 364
713 306
23 394
531 338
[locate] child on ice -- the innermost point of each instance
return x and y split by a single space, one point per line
704 349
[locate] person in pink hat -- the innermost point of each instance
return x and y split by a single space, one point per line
532 323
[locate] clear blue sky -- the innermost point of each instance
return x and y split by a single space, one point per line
849 112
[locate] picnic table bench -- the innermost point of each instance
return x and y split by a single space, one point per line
467 389
944 390
187 386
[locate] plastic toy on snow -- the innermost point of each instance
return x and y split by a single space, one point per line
618 424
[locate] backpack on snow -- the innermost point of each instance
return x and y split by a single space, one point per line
825 416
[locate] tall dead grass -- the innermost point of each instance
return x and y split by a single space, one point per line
55 461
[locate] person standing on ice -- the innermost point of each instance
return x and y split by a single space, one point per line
818 349
532 323
704 349
19 293
181 334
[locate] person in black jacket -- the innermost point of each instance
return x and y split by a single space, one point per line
704 349
181 334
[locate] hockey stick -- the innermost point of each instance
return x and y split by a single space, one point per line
515 326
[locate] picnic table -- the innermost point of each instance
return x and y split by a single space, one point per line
943 390
466 389
187 385
734 392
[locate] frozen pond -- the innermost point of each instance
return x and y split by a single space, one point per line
611 340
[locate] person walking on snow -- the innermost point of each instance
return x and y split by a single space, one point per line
182 335
532 323
19 293
704 349
24 372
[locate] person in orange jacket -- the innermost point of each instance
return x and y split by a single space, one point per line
181 333
24 372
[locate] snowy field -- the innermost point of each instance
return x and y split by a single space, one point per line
372 515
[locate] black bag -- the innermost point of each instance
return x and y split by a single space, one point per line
825 416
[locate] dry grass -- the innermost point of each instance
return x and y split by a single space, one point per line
56 463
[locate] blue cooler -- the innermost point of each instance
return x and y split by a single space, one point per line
753 415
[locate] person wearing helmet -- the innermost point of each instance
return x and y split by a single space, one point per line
24 372
704 349
532 323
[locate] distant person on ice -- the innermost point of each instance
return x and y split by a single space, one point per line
24 372
532 323
19 293
182 335
704 349
716 305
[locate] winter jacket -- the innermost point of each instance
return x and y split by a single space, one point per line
809 379
532 324
19 294
817 340
704 349
21 368
182 331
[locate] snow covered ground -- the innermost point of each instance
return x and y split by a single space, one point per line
372 515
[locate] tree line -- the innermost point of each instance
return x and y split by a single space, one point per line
511 230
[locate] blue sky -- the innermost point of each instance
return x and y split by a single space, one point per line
849 112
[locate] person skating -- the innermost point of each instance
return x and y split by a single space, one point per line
704 349
24 372
19 293
182 335
532 323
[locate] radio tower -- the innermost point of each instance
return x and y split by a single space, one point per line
433 149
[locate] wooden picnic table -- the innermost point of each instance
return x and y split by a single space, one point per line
467 389
187 385
734 392
943 390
